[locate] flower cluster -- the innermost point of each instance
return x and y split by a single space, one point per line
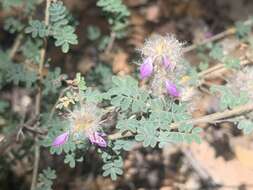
84 122
161 58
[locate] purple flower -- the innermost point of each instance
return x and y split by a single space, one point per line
171 89
208 35
61 139
146 68
166 61
97 138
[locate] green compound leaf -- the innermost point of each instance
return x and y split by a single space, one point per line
126 145
61 31
216 52
93 96
80 82
7 4
231 63
230 99
58 14
179 112
31 50
203 66
3 105
147 134
52 82
45 179
168 137
114 6
130 124
246 126
113 168
117 15
242 30
161 119
64 37
163 139
13 25
93 33
70 159
37 28
126 94
18 74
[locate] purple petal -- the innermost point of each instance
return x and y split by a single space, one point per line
96 138
61 139
166 61
171 89
146 68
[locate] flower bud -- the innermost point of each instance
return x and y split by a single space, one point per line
171 89
61 139
146 68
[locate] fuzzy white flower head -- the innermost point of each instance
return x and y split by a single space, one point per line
165 48
162 56
85 120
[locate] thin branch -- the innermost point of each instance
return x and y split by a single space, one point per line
220 115
216 37
220 68
110 44
38 99
15 46
35 166
205 119
11 137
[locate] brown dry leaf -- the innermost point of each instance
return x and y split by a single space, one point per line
138 31
137 19
120 65
243 149
191 8
245 156
93 183
166 188
227 173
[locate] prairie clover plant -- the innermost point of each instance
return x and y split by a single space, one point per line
142 116
113 121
